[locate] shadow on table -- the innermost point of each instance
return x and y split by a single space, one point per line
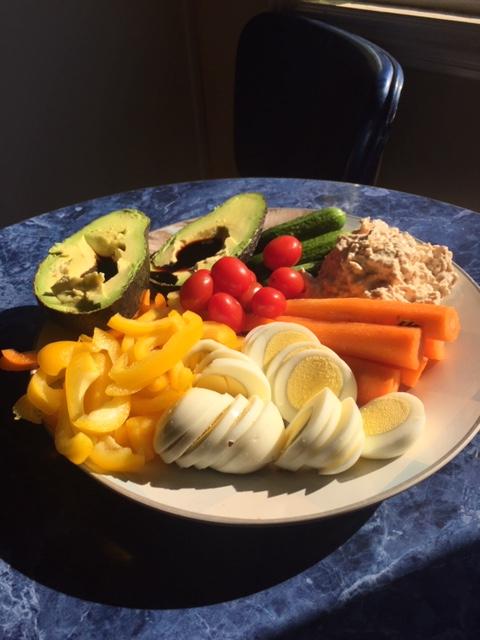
66 531
439 600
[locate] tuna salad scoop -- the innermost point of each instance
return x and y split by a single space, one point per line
379 261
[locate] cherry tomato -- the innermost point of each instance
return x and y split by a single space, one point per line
288 281
222 307
246 298
231 275
268 302
284 251
197 291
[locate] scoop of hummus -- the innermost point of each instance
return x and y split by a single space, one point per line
379 261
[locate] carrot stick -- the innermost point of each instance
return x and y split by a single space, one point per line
394 346
434 349
440 322
410 377
12 360
373 379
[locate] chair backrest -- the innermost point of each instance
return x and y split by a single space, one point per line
311 100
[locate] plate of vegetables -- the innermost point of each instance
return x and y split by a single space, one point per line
228 391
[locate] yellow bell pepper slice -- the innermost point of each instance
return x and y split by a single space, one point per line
103 341
121 435
221 333
158 404
136 327
155 387
127 344
180 377
43 396
140 431
161 360
109 456
107 418
55 356
77 447
23 409
95 395
81 371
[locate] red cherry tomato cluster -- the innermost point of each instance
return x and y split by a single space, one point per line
228 291
280 255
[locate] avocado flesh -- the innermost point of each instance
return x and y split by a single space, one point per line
100 270
231 229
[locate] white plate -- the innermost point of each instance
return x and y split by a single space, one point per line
450 391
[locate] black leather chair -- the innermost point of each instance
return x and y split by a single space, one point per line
311 100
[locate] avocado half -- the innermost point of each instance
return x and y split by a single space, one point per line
231 229
100 270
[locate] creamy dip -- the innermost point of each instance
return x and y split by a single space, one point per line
379 261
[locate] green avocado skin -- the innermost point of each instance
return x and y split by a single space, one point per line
125 299
231 229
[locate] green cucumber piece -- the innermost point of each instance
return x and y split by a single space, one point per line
315 249
307 226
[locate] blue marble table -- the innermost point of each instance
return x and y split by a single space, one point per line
78 561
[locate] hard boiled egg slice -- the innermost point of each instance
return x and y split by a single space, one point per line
315 422
210 444
259 444
201 349
188 419
391 424
221 352
224 452
234 376
343 448
265 343
306 373
284 353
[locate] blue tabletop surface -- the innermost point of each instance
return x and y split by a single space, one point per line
79 561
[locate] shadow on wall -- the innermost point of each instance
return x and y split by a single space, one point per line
100 99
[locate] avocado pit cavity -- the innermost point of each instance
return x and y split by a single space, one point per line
99 270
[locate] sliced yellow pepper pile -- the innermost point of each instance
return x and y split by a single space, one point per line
102 396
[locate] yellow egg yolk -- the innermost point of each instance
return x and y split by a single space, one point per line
311 375
279 341
384 415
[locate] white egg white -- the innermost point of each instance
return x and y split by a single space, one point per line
257 341
238 429
314 423
186 422
396 438
234 376
259 444
287 369
210 444
343 448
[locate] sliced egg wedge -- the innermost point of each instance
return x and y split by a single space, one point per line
391 424
343 448
264 342
284 353
187 420
201 349
307 372
225 451
315 422
221 352
234 376
210 444
259 444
